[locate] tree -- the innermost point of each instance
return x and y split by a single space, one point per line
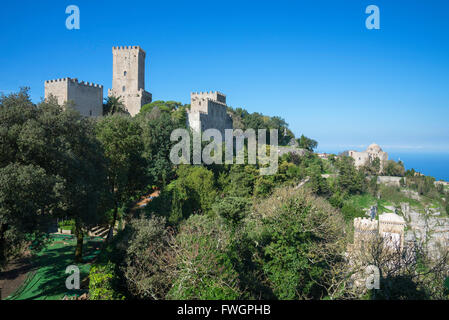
76 155
27 193
60 146
373 167
114 105
393 168
307 143
349 179
232 209
300 238
123 147
156 130
409 272
204 269
149 258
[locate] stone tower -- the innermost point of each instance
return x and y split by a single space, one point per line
128 77
208 110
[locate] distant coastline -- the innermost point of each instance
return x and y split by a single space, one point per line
430 164
433 164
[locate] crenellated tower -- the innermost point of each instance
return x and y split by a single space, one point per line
128 77
208 110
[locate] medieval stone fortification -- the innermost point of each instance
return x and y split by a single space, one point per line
86 97
128 78
390 227
366 157
208 110
128 83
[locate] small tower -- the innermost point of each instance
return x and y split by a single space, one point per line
208 110
365 230
128 77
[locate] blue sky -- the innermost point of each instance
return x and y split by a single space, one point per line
311 62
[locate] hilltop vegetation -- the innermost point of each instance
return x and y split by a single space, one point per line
215 231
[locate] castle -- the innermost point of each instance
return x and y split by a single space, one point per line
390 227
365 157
128 83
208 110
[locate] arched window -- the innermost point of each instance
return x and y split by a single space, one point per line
124 73
124 88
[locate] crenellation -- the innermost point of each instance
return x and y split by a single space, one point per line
208 110
85 97
128 78
390 227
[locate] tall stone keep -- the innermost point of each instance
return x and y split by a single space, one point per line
128 77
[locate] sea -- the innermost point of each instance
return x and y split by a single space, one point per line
428 163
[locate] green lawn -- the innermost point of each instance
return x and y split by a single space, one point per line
365 201
47 282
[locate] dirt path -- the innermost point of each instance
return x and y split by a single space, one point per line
13 276
145 200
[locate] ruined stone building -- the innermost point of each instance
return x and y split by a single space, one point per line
128 78
85 97
365 157
208 110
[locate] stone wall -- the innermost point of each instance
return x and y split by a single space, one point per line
85 97
390 181
391 228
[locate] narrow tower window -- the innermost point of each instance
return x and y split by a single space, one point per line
124 73
123 89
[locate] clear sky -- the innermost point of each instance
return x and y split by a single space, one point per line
311 62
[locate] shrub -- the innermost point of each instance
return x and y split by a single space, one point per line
232 209
148 261
204 268
102 279
67 225
301 237
350 212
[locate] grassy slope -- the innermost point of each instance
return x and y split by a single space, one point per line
48 281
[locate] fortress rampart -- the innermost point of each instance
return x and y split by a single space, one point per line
85 97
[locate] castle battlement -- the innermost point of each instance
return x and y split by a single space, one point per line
128 77
214 96
366 224
75 80
85 97
208 110
208 93
123 48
